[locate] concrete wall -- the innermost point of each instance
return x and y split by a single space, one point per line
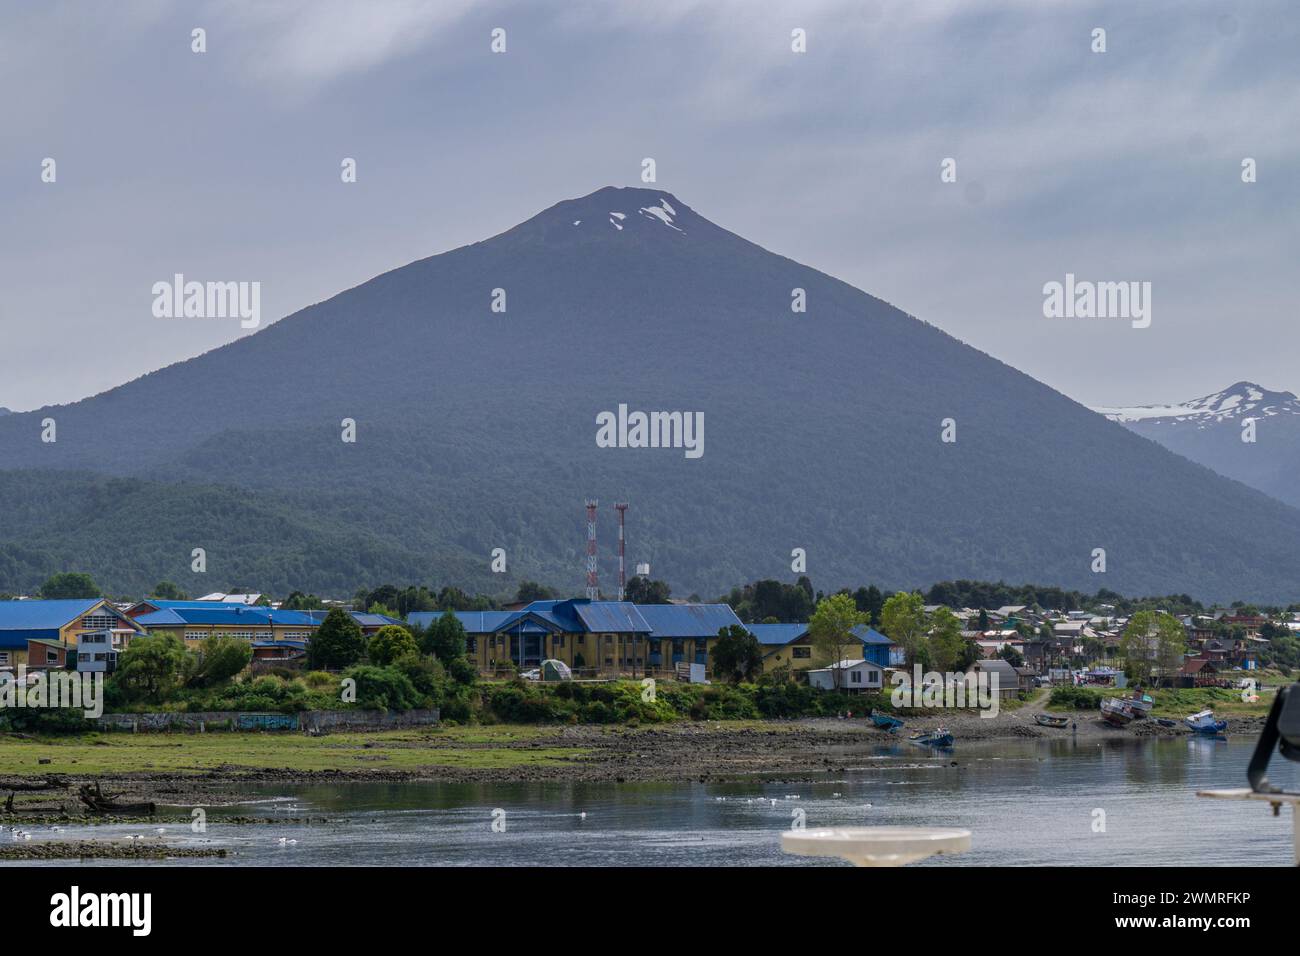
316 721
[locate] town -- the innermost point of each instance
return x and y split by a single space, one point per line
412 648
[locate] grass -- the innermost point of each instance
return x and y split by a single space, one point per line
118 753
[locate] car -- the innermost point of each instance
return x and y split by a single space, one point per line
534 674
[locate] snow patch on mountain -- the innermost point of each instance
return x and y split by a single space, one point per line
1242 400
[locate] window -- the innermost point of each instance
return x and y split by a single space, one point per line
4 657
609 638
855 677
582 638
51 657
99 622
801 653
557 640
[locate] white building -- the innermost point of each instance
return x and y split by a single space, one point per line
853 676
96 652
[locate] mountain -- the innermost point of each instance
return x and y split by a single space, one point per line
477 429
1210 430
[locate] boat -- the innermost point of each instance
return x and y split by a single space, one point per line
1140 704
1166 722
1205 722
886 722
933 738
1116 711
1047 720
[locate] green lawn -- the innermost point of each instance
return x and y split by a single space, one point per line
481 747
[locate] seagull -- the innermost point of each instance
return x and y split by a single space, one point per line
582 815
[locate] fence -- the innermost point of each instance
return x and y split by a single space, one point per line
308 721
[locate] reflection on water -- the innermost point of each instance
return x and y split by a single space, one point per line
1026 802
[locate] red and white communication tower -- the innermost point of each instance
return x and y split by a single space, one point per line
593 586
621 508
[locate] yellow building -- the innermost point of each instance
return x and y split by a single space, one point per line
594 638
40 633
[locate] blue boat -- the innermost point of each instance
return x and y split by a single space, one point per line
886 722
1205 723
934 738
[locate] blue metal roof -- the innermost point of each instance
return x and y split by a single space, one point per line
777 634
611 617
217 613
687 620
474 622
363 618
868 635
43 614
18 637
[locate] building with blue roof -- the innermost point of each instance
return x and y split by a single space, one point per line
194 622
592 637
790 645
45 633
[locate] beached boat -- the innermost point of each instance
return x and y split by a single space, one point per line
934 738
886 722
1047 720
1205 722
1140 704
1166 722
1116 711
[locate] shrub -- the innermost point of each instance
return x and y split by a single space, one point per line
1078 698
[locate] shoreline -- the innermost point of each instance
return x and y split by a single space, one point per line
712 752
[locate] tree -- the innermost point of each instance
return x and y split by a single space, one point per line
869 601
297 601
338 642
831 630
390 643
946 643
218 659
737 655
641 590
150 668
68 585
167 591
902 620
445 639
1012 656
983 620
530 591
1153 642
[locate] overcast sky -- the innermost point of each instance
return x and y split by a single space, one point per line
1123 165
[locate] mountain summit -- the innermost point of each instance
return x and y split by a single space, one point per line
1246 432
475 380
1236 402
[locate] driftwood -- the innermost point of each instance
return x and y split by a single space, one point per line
55 810
97 801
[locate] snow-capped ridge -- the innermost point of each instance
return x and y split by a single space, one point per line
1240 400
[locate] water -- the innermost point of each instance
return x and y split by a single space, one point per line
1026 802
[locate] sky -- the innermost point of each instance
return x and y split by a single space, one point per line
1123 165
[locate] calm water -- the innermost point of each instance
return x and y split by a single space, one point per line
1025 802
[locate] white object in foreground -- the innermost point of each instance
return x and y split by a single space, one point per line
877 846
1276 799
